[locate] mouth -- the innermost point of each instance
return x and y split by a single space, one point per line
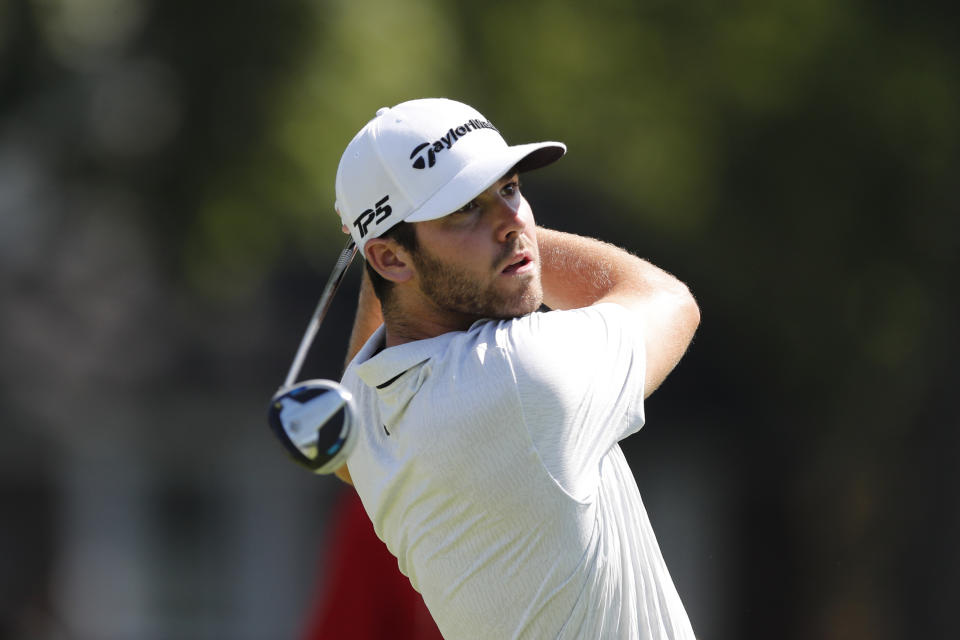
519 263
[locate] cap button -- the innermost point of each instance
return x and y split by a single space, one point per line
382 110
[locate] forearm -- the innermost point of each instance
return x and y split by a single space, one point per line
578 271
369 317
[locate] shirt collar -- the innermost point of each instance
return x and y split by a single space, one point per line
378 366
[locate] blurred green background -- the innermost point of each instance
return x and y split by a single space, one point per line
166 225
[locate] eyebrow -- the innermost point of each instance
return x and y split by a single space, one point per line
509 175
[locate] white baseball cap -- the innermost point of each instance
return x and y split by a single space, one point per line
422 160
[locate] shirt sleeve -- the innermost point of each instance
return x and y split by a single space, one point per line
580 380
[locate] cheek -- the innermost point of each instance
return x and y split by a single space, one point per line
450 256
526 213
464 249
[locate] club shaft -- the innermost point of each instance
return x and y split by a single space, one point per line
339 271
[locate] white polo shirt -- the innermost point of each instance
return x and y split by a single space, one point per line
488 462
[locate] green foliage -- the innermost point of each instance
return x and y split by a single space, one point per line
796 163
651 98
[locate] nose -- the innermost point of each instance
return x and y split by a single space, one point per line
510 218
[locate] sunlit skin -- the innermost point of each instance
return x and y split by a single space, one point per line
480 261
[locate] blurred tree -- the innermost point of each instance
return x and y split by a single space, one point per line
796 163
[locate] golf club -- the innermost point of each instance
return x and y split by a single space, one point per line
314 419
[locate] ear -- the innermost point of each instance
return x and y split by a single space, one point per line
389 259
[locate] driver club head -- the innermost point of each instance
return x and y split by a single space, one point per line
314 421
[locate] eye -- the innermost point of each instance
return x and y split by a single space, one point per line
511 188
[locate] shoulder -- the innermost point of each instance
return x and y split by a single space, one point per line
557 348
583 328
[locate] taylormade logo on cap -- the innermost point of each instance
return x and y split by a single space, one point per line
429 157
409 164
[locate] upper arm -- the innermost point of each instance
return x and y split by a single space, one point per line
580 272
580 378
669 317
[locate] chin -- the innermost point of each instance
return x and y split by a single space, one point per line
528 303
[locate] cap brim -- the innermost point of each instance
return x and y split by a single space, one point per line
479 175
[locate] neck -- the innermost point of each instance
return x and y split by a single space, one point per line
409 320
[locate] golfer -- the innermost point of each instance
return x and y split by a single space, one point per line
488 456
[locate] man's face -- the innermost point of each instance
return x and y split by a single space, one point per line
482 260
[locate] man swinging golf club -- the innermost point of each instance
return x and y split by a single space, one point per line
486 448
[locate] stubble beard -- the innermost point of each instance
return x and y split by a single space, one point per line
454 289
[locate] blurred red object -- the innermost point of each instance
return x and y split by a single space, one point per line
362 594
